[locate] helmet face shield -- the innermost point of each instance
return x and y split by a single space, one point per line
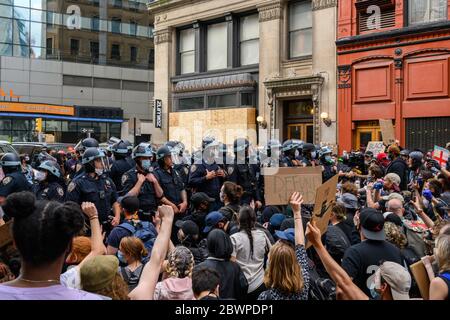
104 161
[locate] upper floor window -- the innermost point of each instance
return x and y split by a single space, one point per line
187 51
116 25
300 29
423 11
217 46
249 39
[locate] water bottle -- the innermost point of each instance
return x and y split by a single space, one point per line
358 184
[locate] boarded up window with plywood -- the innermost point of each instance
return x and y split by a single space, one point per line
376 19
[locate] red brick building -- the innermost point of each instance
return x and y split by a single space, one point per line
393 63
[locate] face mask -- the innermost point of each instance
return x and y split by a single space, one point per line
121 257
99 172
40 176
146 164
328 159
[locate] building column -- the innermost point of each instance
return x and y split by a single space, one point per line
399 89
270 19
345 107
163 67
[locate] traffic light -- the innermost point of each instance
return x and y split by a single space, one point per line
38 124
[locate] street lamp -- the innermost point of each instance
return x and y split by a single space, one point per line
262 123
326 118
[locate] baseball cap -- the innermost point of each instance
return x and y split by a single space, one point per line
397 277
350 201
129 203
288 235
200 197
372 223
381 156
276 220
212 219
189 227
98 272
287 223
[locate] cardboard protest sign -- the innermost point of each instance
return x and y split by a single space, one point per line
441 155
280 183
387 131
5 234
376 147
421 276
325 197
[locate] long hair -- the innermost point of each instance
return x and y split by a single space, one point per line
283 272
247 220
81 247
394 235
233 192
134 247
180 262
116 290
442 252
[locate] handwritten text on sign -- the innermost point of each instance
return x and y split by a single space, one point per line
280 183
376 147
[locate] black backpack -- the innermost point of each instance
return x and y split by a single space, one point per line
132 277
320 288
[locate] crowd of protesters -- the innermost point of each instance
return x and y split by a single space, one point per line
144 223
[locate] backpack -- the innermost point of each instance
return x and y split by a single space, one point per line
132 277
145 231
320 288
415 232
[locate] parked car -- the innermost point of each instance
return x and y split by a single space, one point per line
33 149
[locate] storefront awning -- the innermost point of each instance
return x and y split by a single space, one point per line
222 82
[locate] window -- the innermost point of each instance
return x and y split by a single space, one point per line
115 52
217 46
134 85
77 81
222 101
95 23
300 29
423 11
190 103
74 47
151 57
133 54
247 99
49 46
249 40
115 25
117 3
133 28
387 20
95 50
106 83
187 51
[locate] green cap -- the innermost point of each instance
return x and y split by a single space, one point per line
98 272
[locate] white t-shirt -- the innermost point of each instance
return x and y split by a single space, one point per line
252 265
71 278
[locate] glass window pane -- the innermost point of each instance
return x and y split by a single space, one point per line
5 124
187 61
421 11
250 52
37 53
300 16
38 16
52 125
21 13
5 11
19 124
21 32
247 100
21 51
190 103
301 43
249 27
5 49
222 101
39 4
6 27
37 34
187 40
22 3
217 47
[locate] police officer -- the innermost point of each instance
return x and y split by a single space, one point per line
142 183
179 163
80 148
95 186
328 165
50 185
299 150
289 155
309 155
271 156
129 156
245 173
14 180
120 164
205 174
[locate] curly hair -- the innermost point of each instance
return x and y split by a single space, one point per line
394 235
5 273
116 290
180 262
339 211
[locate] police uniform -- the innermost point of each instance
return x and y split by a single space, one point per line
101 191
171 183
197 180
52 191
246 175
14 182
287 162
183 171
118 168
147 195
